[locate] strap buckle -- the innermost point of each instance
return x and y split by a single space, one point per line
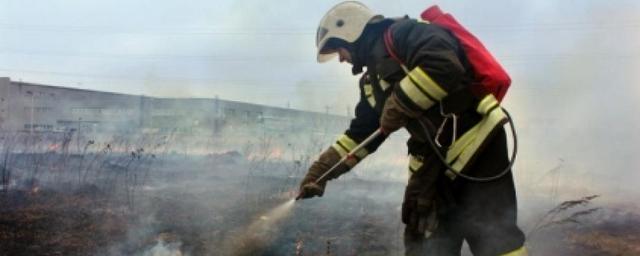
446 116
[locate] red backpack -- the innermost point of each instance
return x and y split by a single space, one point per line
490 77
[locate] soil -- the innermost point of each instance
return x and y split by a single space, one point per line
203 206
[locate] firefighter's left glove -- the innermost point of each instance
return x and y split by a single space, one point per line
309 187
394 115
419 209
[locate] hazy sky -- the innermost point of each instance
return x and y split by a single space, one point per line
263 51
575 64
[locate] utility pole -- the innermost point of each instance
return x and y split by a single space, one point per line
7 96
31 122
216 115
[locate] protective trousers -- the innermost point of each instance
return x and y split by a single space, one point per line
482 213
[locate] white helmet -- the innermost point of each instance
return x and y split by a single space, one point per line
344 21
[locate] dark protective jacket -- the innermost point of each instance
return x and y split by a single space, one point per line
436 62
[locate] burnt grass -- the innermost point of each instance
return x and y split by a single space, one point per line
202 203
52 222
203 206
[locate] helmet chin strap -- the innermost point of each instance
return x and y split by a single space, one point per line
358 54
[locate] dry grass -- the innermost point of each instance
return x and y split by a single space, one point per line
602 243
55 223
561 214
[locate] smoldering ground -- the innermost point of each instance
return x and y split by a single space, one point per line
231 202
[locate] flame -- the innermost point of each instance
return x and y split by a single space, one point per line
54 146
276 153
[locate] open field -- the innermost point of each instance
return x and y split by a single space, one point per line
157 203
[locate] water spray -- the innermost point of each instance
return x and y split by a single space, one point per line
259 233
275 214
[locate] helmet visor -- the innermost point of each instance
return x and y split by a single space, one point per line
324 57
320 35
328 49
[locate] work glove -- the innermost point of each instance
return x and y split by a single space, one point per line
395 115
308 187
420 215
419 211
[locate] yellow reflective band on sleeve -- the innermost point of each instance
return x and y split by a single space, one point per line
522 251
486 104
421 89
414 163
368 92
466 146
344 145
341 151
426 83
362 153
415 94
347 142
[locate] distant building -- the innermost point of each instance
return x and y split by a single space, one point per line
33 107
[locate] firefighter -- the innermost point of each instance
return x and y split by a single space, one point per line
429 96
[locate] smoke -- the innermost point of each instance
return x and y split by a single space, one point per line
163 248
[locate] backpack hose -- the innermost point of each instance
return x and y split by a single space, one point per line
489 72
471 178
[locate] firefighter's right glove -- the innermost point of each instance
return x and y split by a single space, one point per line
309 187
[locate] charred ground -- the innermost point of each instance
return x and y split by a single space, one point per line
137 199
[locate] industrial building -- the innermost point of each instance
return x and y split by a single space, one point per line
30 107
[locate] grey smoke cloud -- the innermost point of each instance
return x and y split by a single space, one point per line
574 65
